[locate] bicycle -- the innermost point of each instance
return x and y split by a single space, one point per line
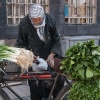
43 75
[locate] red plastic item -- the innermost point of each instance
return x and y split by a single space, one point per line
37 76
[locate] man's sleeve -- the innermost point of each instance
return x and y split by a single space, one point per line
22 40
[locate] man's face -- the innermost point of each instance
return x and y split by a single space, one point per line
36 20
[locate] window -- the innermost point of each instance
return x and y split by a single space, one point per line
80 11
17 9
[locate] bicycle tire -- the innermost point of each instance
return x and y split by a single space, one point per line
1 97
62 95
4 95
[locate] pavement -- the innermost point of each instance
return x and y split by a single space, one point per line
21 88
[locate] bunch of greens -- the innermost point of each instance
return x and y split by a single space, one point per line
8 53
84 91
82 63
24 58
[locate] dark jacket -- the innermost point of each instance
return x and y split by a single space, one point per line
28 38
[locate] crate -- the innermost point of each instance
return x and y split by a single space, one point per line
67 42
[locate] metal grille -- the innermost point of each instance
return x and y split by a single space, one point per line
17 9
80 11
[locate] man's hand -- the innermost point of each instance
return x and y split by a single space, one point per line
35 59
50 59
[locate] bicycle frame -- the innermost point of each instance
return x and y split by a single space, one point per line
45 75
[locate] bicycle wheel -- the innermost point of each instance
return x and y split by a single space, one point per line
3 95
63 93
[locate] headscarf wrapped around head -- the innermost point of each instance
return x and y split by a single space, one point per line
36 11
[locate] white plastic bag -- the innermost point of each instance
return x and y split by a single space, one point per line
41 66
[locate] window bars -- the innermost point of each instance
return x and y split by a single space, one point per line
80 11
17 9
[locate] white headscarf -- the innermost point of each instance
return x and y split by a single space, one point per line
36 11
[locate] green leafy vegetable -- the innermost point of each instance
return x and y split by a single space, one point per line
84 91
82 63
82 60
24 58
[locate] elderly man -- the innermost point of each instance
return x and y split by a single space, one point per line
38 32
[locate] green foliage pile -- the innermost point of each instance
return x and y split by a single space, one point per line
82 63
84 91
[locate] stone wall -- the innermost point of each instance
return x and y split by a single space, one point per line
57 9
